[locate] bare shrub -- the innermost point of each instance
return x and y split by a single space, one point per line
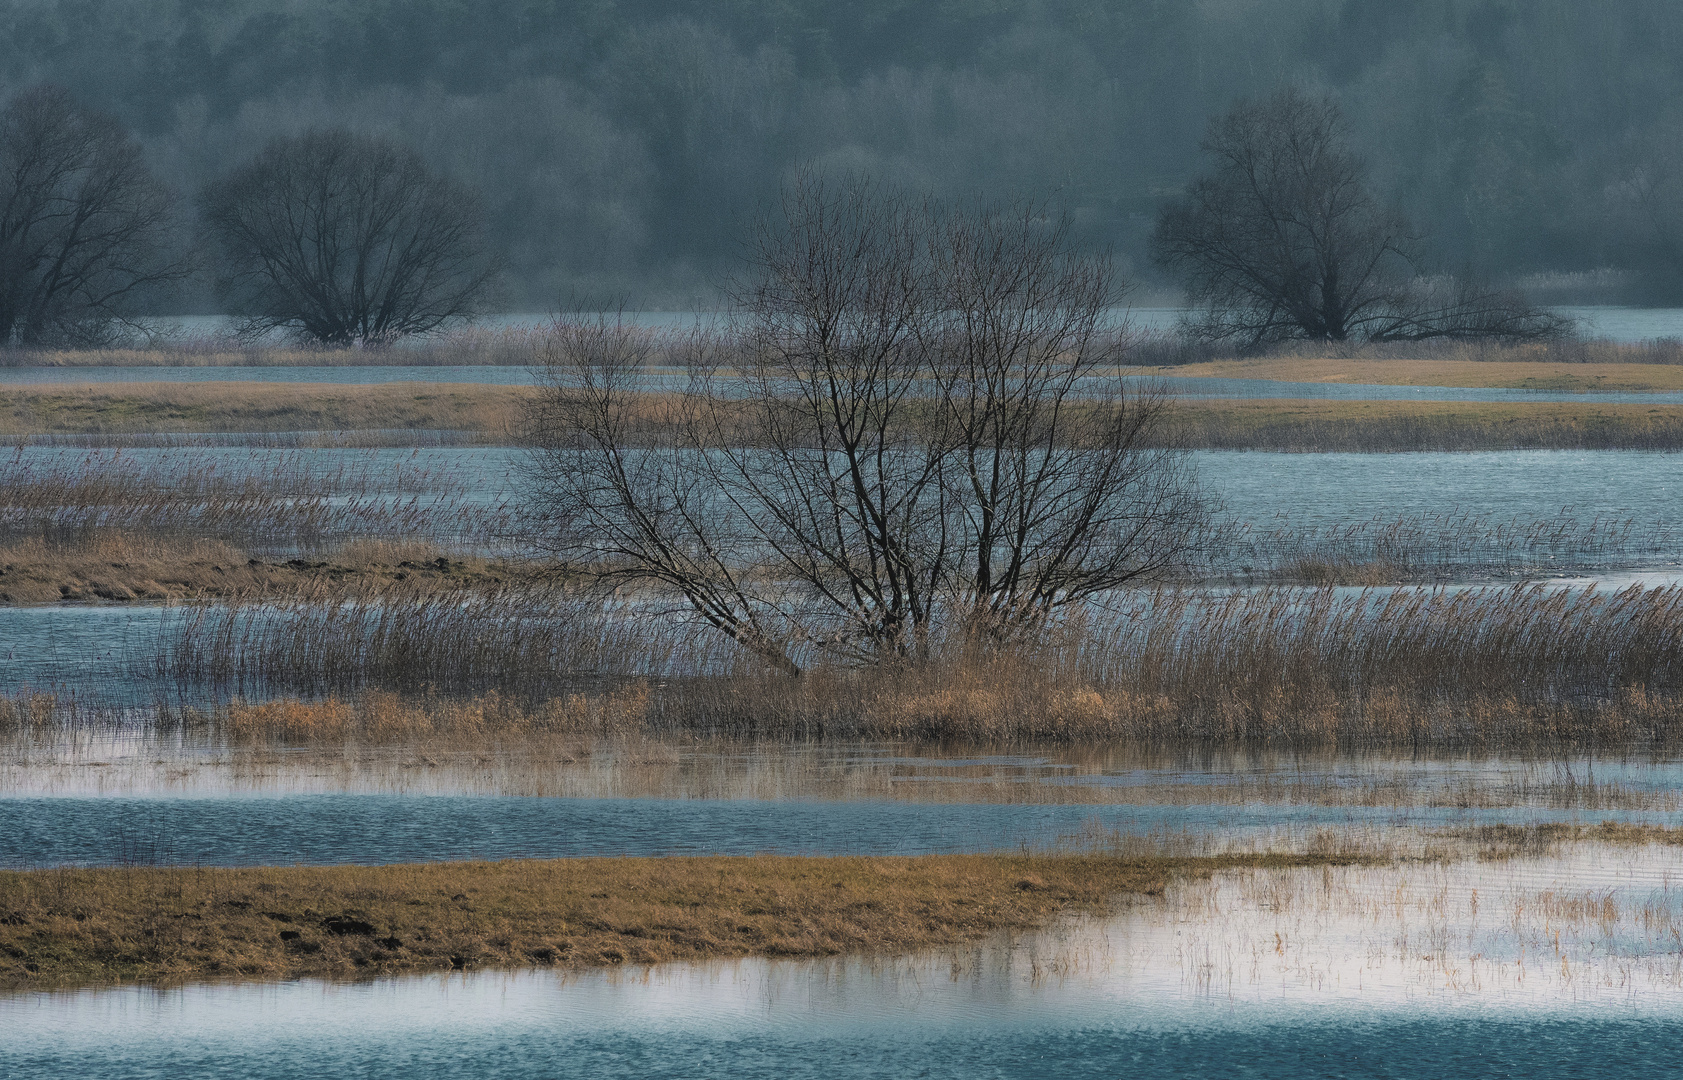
84 225
915 425
346 239
1283 239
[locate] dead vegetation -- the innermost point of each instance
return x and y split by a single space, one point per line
118 568
1526 667
67 927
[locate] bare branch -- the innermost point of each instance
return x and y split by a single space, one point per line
84 226
1283 240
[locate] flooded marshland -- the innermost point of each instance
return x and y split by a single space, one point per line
1462 967
1443 951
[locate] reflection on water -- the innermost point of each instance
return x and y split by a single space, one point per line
1468 969
125 800
101 765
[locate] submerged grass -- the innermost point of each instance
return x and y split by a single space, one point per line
68 927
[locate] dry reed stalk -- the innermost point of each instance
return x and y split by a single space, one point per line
1509 667
268 500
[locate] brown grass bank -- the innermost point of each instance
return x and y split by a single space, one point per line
68 927
1176 354
1309 425
400 414
113 567
1513 371
487 413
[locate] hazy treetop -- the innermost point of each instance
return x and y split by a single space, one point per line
620 145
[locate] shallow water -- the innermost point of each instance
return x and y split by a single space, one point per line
374 829
1305 490
123 799
1548 966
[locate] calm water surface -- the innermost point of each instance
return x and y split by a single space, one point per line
1461 970
1309 489
372 829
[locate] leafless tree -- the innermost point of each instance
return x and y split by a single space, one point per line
346 239
1283 239
914 429
84 226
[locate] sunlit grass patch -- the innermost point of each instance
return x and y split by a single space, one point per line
67 927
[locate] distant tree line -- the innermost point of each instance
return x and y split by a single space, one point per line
332 237
621 146
344 239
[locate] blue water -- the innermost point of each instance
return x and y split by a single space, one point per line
383 828
861 1025
1329 488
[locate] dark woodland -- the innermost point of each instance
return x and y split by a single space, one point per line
620 148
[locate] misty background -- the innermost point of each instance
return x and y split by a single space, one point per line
622 146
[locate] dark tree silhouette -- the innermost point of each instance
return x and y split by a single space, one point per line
84 226
915 433
346 239
1283 239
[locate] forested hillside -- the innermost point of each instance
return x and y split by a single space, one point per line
620 145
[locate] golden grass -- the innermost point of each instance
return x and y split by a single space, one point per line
492 414
1576 378
155 407
70 927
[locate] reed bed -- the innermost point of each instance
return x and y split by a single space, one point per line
269 502
1525 666
528 640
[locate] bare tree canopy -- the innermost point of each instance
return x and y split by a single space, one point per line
344 238
83 223
914 429
1283 239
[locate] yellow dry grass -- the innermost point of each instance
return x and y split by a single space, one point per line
156 407
1517 375
70 927
492 414
127 566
